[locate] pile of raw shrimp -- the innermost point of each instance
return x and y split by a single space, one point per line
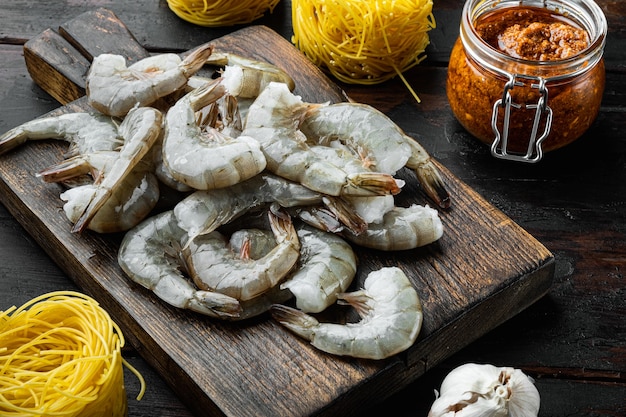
274 193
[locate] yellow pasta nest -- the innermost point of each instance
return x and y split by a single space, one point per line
60 355
221 12
363 41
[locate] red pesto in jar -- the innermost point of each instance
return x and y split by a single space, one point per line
530 34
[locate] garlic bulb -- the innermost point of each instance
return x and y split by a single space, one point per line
475 390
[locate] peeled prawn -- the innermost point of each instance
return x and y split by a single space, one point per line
150 255
206 159
273 120
215 267
140 130
85 132
391 319
113 88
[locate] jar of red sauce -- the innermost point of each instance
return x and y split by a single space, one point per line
527 77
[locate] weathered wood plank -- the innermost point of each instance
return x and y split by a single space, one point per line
56 66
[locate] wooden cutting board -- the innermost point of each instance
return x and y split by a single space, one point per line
483 271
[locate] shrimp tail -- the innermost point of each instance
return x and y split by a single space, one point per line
98 199
319 217
196 59
427 174
356 299
346 214
214 304
66 170
433 186
206 94
295 320
282 226
12 139
372 183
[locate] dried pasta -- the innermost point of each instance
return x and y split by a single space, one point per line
60 355
221 12
363 41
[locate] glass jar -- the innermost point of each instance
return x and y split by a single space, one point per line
523 106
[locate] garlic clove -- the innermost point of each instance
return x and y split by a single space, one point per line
525 402
483 390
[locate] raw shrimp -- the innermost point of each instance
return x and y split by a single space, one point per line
370 209
255 244
402 228
204 211
140 130
244 77
113 88
85 132
206 160
238 84
163 173
368 133
130 202
215 267
150 254
391 319
377 140
326 267
273 120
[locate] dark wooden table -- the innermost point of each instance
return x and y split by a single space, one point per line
572 341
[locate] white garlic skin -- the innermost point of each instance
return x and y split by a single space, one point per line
483 390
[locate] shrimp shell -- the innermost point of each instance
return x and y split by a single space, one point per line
206 160
204 211
326 268
85 132
113 88
402 228
150 256
215 267
391 319
367 132
273 120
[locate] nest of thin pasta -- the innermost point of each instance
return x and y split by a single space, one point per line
221 12
60 354
363 41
